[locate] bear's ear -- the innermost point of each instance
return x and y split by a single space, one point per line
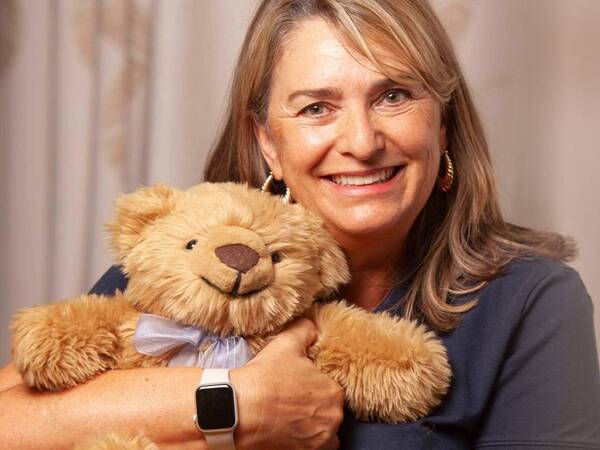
334 269
134 212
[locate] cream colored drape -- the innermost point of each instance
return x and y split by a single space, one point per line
99 96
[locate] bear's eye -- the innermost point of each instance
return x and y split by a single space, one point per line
190 245
275 257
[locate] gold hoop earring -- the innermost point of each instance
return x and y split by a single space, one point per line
445 182
266 187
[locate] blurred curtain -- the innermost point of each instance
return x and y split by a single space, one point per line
99 96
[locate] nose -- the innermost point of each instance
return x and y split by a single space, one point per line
237 256
361 138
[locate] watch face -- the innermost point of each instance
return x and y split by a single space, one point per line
215 407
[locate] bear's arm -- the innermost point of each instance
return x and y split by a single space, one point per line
391 369
61 345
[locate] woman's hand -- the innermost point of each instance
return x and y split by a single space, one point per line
284 401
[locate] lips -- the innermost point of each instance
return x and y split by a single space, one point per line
372 177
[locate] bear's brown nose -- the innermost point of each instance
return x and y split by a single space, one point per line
237 256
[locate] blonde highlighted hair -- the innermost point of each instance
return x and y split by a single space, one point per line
460 240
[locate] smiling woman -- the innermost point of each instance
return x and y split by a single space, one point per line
361 110
356 147
326 91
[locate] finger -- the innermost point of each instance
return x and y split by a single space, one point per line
298 336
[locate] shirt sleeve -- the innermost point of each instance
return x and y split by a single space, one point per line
112 280
547 394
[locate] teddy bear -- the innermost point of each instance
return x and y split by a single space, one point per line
230 266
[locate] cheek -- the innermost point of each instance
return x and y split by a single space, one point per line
301 148
316 138
431 167
419 129
427 155
417 138
419 141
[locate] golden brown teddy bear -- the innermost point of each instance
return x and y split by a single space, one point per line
233 263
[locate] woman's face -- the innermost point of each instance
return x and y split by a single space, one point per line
360 150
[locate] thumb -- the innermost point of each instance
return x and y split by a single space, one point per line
297 337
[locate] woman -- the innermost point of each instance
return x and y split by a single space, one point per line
361 109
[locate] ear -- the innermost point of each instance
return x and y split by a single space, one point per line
137 211
263 136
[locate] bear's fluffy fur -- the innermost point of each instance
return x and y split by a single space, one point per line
392 370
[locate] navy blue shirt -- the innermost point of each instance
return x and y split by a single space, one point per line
524 363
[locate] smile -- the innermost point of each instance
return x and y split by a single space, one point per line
234 292
380 176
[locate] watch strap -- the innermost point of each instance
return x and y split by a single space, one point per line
214 376
220 441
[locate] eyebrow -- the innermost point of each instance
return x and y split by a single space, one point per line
326 93
336 93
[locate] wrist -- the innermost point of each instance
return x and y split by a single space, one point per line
250 406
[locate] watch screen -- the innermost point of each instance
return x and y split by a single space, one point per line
215 407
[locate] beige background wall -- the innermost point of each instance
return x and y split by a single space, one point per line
97 97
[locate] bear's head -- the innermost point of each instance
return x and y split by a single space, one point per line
223 257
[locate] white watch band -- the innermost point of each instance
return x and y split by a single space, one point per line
214 376
220 441
217 440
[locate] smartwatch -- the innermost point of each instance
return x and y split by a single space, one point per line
216 409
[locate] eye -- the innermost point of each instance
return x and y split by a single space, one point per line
190 245
314 110
275 257
395 96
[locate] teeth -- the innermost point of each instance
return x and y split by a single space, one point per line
377 177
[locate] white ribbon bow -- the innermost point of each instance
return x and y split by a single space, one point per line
155 335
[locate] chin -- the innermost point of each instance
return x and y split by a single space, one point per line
360 228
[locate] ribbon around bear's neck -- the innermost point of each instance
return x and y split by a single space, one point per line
156 335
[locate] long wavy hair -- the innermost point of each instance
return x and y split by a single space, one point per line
459 241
